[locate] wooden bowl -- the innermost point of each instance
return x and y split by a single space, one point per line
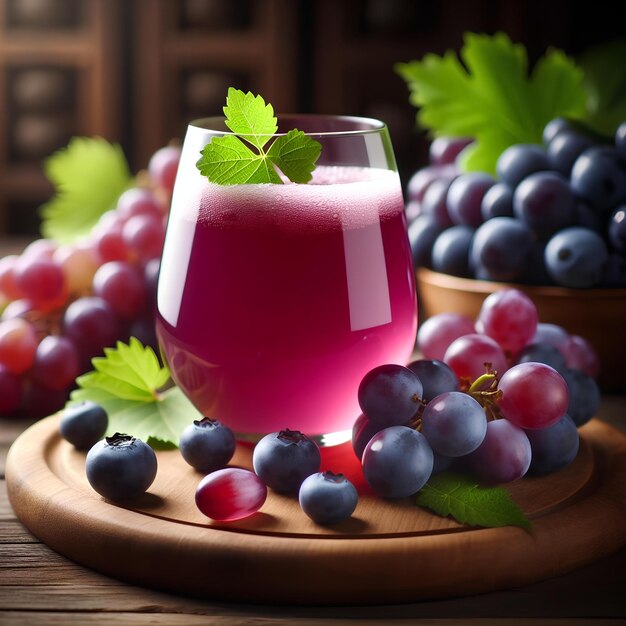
598 315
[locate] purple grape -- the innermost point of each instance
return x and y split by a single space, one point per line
390 394
362 431
501 246
436 377
434 203
575 257
445 150
450 251
553 447
441 463
465 197
620 140
598 177
617 229
284 459
565 148
519 161
497 202
545 202
542 353
421 180
121 467
207 445
83 424
454 424
552 334
584 395
503 456
328 498
422 234
397 462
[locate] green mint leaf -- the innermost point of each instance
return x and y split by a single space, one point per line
228 161
488 95
249 117
295 155
126 382
231 159
605 81
460 497
88 175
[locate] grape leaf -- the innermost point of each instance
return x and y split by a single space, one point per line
229 160
127 382
488 95
460 497
89 175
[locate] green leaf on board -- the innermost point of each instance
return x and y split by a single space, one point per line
127 382
231 159
488 94
460 497
89 175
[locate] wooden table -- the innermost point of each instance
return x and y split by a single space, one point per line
38 586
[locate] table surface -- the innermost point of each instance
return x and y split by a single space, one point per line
38 586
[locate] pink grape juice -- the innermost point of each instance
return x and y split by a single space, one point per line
275 300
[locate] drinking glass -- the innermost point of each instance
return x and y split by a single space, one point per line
274 300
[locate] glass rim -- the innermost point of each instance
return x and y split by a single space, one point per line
372 125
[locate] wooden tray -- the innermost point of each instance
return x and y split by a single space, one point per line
388 552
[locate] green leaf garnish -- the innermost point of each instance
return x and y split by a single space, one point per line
460 497
490 97
243 158
127 383
89 175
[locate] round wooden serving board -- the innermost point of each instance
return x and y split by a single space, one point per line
388 552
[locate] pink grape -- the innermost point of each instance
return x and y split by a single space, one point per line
18 342
580 354
56 363
7 277
10 391
79 264
122 287
534 395
42 249
510 317
109 242
163 166
17 308
145 235
467 355
438 332
137 201
503 456
230 494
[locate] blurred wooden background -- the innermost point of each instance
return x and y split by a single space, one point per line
137 71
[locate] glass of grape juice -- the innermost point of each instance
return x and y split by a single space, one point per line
275 300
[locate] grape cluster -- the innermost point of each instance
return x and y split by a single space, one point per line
501 396
62 304
554 214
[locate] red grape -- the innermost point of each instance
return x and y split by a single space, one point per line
467 356
163 166
18 342
56 363
438 332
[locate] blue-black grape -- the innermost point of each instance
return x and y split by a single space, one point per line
501 246
617 229
121 467
587 217
362 431
423 231
545 202
436 377
207 445
554 127
282 460
620 140
454 424
434 203
465 197
614 274
598 177
328 498
450 253
397 462
575 257
390 394
584 395
519 161
565 148
497 202
542 353
83 424
553 447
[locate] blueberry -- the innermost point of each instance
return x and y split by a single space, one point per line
328 498
121 467
207 445
284 459
83 424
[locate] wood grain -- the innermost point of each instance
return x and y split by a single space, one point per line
164 543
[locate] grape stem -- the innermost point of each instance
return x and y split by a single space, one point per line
485 391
